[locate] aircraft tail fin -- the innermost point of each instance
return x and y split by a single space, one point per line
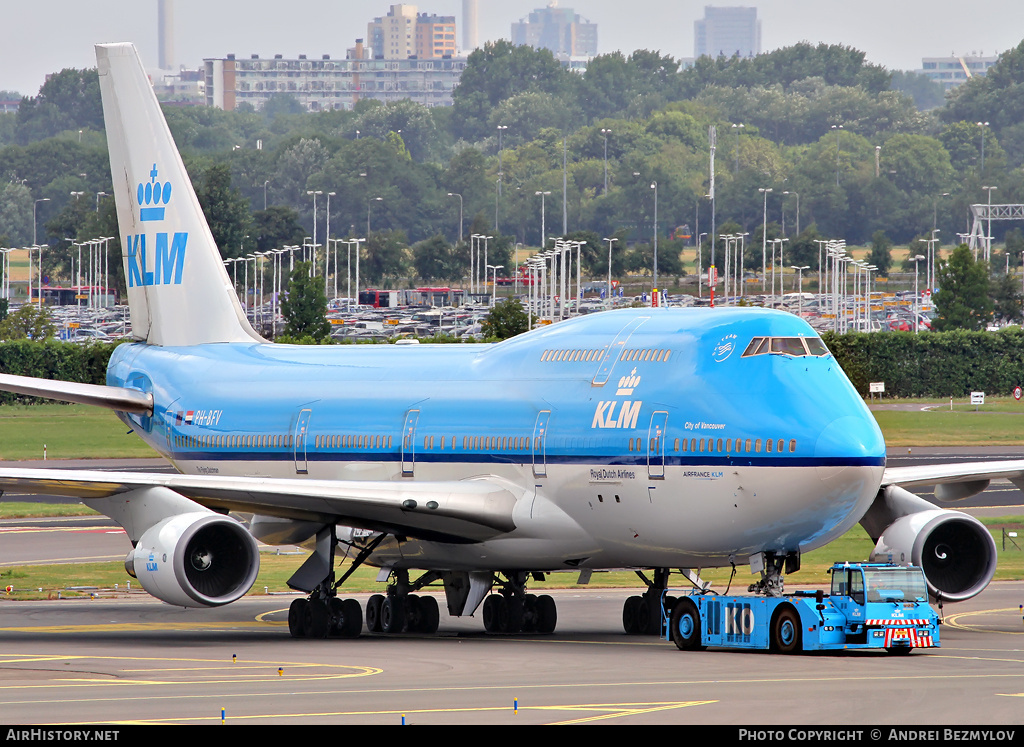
178 290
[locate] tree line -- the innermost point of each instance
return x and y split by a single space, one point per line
844 152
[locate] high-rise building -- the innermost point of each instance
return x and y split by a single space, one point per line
951 71
561 30
325 84
404 33
727 32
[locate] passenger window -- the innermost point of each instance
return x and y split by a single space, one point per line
757 445
780 446
768 445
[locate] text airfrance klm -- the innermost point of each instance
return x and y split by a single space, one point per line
605 415
164 264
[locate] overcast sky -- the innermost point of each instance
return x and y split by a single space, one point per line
44 36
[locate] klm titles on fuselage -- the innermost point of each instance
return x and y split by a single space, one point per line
158 258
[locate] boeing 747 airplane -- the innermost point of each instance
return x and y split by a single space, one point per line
647 439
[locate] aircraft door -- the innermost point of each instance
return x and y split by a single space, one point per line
539 444
409 443
299 442
656 446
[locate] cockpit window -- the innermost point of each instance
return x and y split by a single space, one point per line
788 346
815 346
792 346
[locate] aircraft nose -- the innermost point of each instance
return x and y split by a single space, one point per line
851 440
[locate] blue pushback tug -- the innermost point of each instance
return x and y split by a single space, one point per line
871 606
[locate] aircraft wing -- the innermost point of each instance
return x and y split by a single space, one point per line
453 511
110 397
955 481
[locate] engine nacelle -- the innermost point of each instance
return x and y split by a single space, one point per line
956 551
195 560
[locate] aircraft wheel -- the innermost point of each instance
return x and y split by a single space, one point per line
413 613
516 615
786 632
530 616
346 618
392 615
547 614
296 614
630 612
373 613
495 614
643 617
684 626
430 616
316 622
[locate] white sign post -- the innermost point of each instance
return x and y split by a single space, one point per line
876 386
977 398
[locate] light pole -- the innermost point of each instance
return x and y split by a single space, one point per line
98 196
501 130
314 193
800 280
736 150
981 131
609 289
473 239
917 296
764 241
988 231
35 204
486 239
797 210
837 128
327 245
357 242
605 133
265 183
494 285
455 194
654 186
370 202
543 229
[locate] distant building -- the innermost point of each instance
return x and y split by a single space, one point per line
951 71
325 84
560 30
184 87
405 33
9 105
727 32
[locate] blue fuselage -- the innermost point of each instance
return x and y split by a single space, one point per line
649 432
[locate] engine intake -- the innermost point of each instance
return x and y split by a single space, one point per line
195 560
955 551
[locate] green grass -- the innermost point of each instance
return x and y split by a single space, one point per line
25 510
957 428
67 432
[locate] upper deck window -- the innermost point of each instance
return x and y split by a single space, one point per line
792 346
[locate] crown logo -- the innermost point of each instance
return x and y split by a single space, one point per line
628 383
153 194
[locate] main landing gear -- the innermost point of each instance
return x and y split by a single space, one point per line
400 611
322 614
511 610
641 615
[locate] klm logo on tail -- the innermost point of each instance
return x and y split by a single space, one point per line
162 262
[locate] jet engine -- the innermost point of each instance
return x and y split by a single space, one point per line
956 551
195 560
